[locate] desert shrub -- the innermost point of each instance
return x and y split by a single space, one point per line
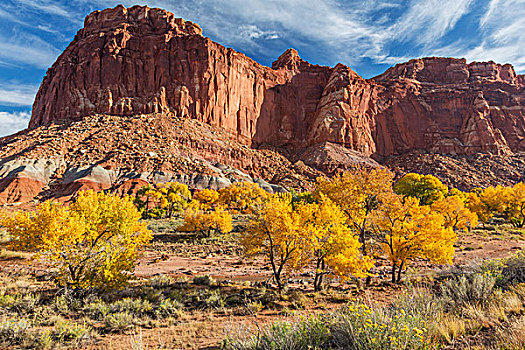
168 308
356 327
203 280
512 270
96 310
512 337
214 299
94 242
15 332
464 290
135 307
20 304
254 307
160 281
419 301
361 327
311 333
67 331
118 322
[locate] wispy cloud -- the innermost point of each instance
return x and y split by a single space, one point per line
15 94
428 20
13 122
355 32
27 49
54 8
503 28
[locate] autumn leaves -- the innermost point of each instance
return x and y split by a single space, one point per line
353 218
340 229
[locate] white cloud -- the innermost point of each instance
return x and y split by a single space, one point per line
28 49
12 94
13 122
46 7
351 31
503 28
253 32
429 20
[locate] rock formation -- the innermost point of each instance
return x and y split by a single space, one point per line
140 95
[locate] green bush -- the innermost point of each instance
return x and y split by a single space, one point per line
512 270
168 308
203 280
67 331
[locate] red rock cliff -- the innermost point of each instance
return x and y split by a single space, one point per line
141 60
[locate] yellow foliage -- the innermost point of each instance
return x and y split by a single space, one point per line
174 196
245 197
204 222
94 242
457 216
275 234
489 202
358 193
329 243
515 211
163 199
408 230
207 198
427 188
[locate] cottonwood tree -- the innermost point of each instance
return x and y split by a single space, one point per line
244 197
205 222
488 202
515 211
94 242
358 193
275 233
207 198
174 197
407 230
427 188
329 243
456 214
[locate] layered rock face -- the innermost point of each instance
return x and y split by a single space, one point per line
141 60
445 105
196 107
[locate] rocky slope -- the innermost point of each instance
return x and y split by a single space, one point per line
140 95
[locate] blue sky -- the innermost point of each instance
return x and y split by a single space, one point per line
367 35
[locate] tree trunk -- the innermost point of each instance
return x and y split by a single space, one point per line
318 280
276 274
362 240
399 271
393 272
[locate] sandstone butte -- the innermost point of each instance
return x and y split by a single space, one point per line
141 96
